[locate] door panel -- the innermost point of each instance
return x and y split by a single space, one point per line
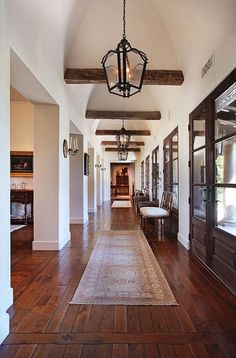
198 183
213 181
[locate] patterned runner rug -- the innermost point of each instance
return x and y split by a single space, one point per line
121 204
123 270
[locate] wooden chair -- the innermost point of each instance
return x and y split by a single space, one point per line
158 213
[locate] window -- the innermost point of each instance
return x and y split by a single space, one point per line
155 174
142 175
147 173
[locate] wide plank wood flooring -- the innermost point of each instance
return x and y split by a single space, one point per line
43 324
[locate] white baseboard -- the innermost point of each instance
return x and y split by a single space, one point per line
4 326
50 245
92 210
184 241
7 300
78 220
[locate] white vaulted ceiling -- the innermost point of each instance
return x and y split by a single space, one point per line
77 33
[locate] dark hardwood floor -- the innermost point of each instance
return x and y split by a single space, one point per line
43 324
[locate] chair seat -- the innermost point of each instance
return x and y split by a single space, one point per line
153 212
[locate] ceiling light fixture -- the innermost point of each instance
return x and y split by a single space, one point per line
124 67
122 153
123 138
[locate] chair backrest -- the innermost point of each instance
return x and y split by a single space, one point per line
167 200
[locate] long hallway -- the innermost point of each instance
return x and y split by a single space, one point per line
43 324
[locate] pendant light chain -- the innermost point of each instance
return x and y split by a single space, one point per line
124 66
124 20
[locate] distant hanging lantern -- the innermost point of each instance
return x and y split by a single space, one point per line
122 153
123 138
124 67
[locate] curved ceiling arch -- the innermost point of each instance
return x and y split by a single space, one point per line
196 26
101 30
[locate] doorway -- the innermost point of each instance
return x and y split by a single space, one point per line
122 181
213 181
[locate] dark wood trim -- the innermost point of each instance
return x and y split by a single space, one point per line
116 132
110 142
126 115
116 149
97 76
22 153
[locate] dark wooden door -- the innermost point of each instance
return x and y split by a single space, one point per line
213 181
155 174
200 186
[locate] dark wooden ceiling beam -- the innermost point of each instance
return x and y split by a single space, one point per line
116 149
126 115
110 142
97 76
116 132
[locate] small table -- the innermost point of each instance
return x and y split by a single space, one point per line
24 197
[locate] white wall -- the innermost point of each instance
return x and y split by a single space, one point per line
99 181
47 235
78 215
92 182
22 126
5 289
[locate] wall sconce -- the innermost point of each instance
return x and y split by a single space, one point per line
98 165
73 149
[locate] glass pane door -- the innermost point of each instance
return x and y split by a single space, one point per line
199 194
213 181
155 174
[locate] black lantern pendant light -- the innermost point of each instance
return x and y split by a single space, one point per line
122 153
123 138
124 67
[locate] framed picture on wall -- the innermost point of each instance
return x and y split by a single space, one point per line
22 164
86 164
